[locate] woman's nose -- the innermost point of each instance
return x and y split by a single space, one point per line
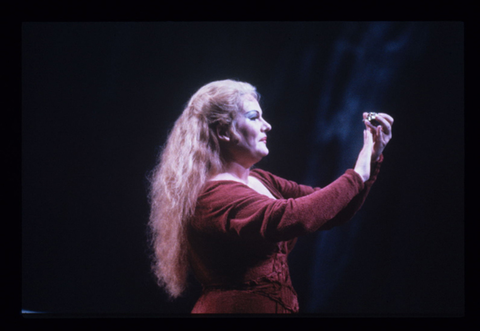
266 126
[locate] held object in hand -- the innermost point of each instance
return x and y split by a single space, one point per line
371 118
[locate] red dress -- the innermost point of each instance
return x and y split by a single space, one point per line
240 239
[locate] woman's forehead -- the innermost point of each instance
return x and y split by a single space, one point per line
250 103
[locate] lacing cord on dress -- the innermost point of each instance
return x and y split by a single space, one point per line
272 285
266 286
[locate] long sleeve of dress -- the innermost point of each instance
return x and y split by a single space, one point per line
235 209
290 189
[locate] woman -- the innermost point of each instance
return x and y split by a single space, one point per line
233 227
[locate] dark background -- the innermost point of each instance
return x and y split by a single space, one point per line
99 98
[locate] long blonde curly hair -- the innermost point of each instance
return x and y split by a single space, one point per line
189 158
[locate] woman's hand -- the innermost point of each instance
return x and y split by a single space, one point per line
364 160
381 133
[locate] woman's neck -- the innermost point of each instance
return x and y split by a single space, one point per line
233 171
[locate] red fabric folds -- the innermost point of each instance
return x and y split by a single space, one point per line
240 239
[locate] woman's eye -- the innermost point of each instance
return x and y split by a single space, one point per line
253 116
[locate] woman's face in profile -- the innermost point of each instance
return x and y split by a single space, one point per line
252 130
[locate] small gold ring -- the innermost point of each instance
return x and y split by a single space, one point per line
371 116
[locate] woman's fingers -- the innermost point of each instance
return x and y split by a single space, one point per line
383 119
377 137
387 117
368 125
385 123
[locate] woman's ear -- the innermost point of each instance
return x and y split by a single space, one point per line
223 134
